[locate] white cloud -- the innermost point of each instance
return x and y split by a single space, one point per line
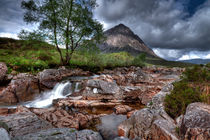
195 55
9 35
207 57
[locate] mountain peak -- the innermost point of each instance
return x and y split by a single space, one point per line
120 29
122 38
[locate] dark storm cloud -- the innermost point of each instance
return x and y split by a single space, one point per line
11 16
173 28
163 24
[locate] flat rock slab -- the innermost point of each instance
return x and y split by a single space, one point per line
24 123
61 134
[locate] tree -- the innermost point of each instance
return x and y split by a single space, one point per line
35 35
67 23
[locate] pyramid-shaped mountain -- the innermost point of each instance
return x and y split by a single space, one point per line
121 38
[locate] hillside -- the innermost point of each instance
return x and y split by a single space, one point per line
33 56
121 38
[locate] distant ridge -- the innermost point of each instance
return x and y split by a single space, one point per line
121 38
197 61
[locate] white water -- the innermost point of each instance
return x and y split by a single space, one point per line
61 90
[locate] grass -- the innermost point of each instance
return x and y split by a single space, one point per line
162 62
34 56
194 87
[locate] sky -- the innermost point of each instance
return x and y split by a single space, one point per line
174 29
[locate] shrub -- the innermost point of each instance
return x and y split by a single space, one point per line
181 96
139 60
197 74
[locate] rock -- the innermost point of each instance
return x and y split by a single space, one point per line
147 123
129 114
23 87
179 121
163 130
61 118
86 103
22 123
151 122
196 122
122 109
97 89
3 71
49 77
137 76
4 111
138 125
109 124
103 87
61 134
4 134
121 138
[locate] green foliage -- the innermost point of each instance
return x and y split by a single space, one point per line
139 60
197 73
208 65
68 23
35 35
44 56
192 88
180 98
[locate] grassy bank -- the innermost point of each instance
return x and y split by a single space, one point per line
33 56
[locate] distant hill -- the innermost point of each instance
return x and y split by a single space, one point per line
121 38
197 61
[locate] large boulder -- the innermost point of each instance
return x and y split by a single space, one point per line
23 87
148 124
97 89
23 122
49 77
3 71
109 124
61 134
196 122
151 122
103 87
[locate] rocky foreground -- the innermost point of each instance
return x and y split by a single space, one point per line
126 102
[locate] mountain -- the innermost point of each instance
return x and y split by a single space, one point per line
121 38
197 61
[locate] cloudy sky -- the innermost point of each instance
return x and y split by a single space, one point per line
174 29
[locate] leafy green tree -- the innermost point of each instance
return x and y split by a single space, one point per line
67 23
35 35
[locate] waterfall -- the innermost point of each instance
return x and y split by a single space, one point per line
61 90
